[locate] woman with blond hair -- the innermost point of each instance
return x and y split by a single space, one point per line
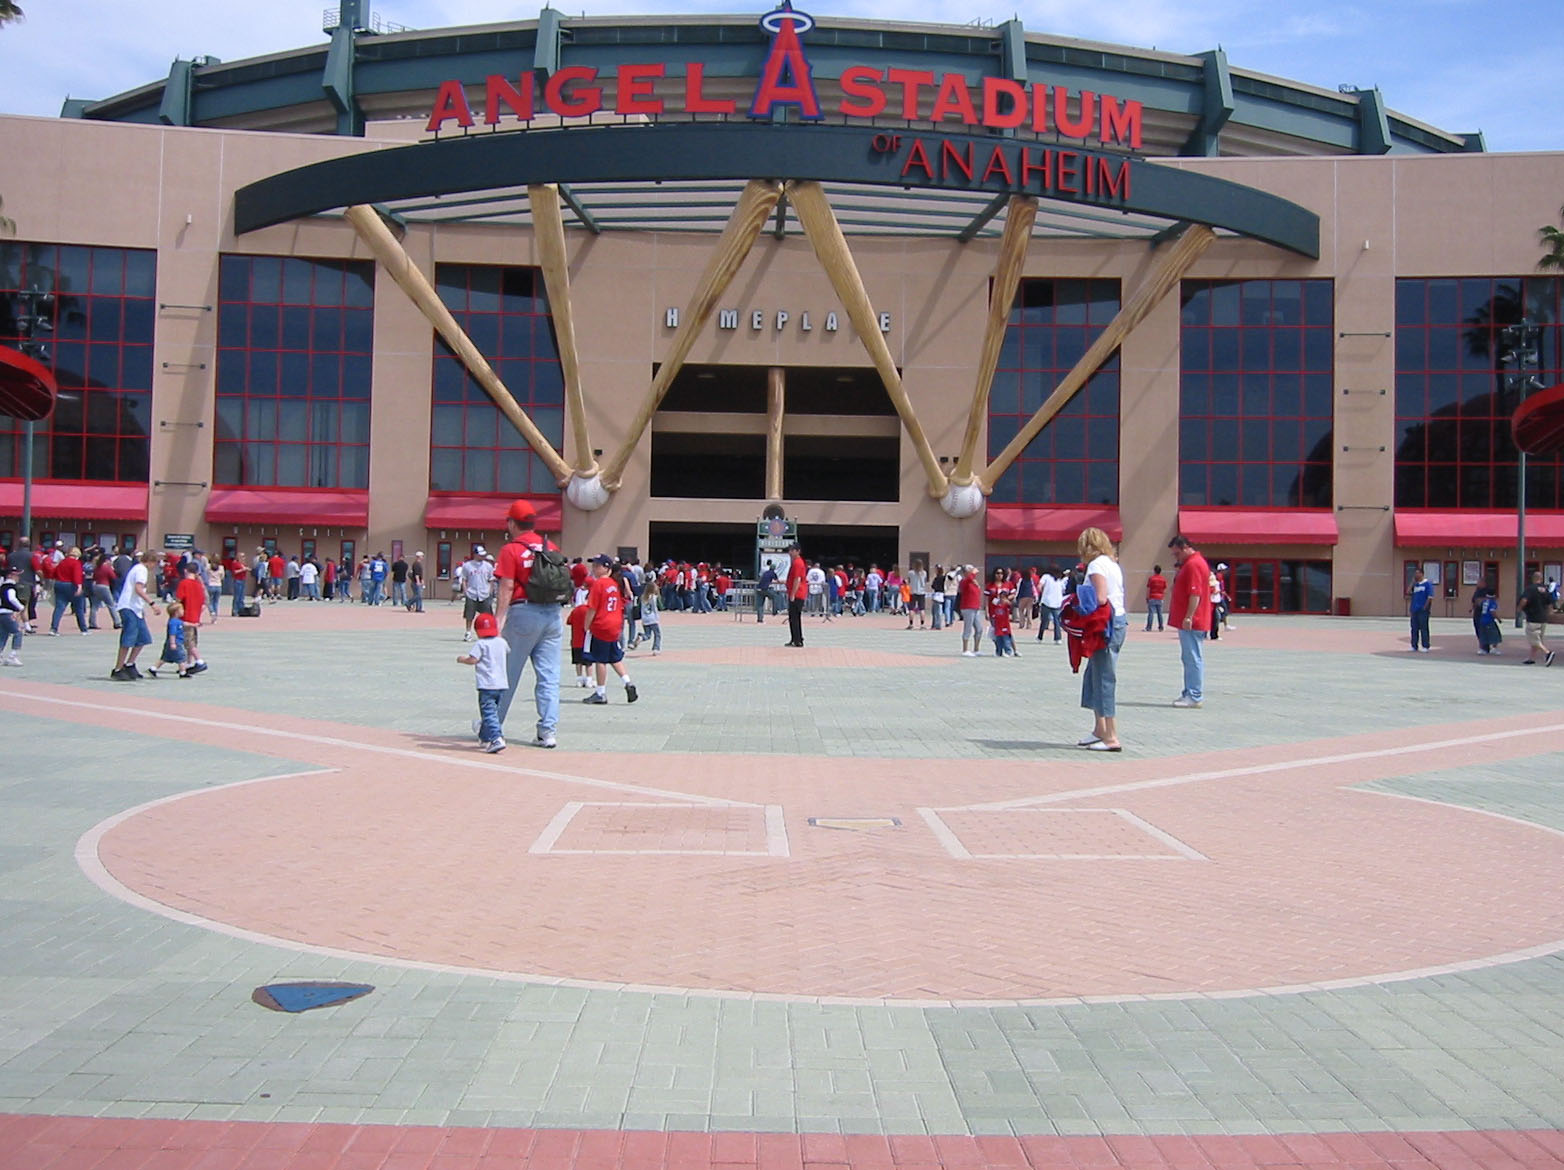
1099 680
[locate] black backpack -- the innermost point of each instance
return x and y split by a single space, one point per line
549 582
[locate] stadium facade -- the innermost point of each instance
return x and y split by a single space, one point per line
942 292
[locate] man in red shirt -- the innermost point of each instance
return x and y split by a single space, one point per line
1156 590
797 591
604 621
69 592
191 593
532 632
1191 609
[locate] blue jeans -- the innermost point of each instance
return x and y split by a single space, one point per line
937 612
103 598
399 593
654 631
67 596
1100 679
10 631
415 601
1004 644
238 596
1191 648
1046 614
213 592
533 633
1419 628
489 714
1154 610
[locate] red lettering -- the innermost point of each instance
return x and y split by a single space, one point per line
993 89
953 98
1110 182
450 102
949 154
1040 123
1045 168
785 78
917 157
634 94
1120 123
1068 160
498 91
860 81
1079 127
912 82
582 103
997 163
696 102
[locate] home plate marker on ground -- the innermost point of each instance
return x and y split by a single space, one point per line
858 824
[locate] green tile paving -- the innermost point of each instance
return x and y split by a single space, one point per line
107 1009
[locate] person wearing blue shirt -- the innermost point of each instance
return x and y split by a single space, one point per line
1422 607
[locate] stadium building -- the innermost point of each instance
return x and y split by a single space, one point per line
941 292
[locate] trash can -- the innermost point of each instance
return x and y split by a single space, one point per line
1343 607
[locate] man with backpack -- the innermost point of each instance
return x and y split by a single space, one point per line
534 581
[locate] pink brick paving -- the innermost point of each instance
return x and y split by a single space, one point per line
73 1143
1303 880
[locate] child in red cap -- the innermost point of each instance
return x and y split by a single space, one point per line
488 655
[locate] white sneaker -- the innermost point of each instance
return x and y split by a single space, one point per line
477 725
1186 701
494 745
545 740
10 659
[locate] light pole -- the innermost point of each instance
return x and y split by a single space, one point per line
1520 356
36 316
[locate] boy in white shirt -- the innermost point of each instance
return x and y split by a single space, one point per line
489 655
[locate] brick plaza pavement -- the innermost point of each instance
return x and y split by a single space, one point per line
1316 922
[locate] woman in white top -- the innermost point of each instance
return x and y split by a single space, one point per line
1099 680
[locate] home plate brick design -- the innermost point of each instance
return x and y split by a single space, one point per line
1313 925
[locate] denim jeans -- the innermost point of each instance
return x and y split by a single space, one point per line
1420 628
213 592
1100 679
654 631
1046 614
102 598
415 601
533 633
238 605
1154 610
1191 648
489 714
399 593
10 631
66 596
937 611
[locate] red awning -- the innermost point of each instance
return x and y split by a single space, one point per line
1430 529
487 513
1028 522
1257 526
27 387
78 501
302 506
1538 423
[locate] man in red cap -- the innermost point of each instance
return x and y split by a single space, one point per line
532 631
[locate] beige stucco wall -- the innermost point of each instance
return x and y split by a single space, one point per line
171 189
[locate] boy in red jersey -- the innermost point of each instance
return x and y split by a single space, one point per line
578 633
604 621
191 593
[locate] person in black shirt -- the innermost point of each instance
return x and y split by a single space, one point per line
1536 603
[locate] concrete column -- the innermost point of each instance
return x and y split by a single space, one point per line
776 395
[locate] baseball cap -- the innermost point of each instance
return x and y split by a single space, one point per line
1221 565
578 572
602 559
485 626
479 551
521 510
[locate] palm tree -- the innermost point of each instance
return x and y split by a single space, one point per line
1550 237
9 11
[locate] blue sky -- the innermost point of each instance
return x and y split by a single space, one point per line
1461 65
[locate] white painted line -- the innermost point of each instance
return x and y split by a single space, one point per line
943 834
403 753
776 832
551 832
1167 839
1257 769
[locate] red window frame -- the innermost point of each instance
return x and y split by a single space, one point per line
1075 458
473 447
294 355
